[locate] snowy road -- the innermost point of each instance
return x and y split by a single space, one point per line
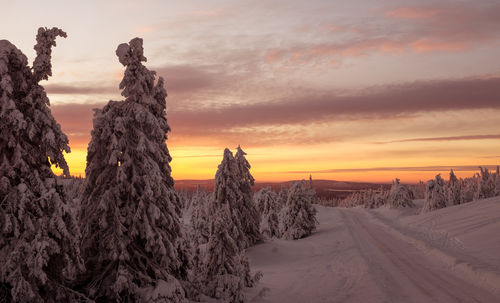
352 258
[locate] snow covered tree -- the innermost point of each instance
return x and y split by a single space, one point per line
39 238
298 216
435 194
453 190
249 216
132 236
497 181
486 185
400 196
266 202
282 197
226 269
374 199
227 192
468 189
199 217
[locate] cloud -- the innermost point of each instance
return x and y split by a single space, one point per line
79 89
190 78
285 119
440 28
179 79
451 138
412 13
380 102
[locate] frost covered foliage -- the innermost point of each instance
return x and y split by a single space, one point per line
400 196
374 199
418 190
132 237
453 188
486 184
267 205
282 197
39 253
250 217
435 194
353 200
199 217
366 198
298 216
226 270
199 234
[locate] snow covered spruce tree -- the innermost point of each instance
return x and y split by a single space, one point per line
453 190
298 216
400 196
435 194
199 217
486 184
39 238
132 237
226 269
282 197
266 202
249 215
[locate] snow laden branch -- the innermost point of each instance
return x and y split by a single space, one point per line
45 39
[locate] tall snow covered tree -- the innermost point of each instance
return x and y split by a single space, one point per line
266 202
132 237
400 195
435 194
39 238
226 269
249 215
298 216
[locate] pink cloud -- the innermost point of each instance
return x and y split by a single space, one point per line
443 28
427 45
412 13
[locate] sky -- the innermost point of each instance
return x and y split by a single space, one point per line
343 90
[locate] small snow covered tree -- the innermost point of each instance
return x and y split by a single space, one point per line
298 216
400 196
453 190
249 216
435 194
39 238
468 189
226 269
132 236
266 202
497 181
486 185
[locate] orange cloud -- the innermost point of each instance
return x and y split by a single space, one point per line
427 45
412 13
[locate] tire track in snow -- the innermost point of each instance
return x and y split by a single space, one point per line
431 281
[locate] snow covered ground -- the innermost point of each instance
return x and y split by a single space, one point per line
386 255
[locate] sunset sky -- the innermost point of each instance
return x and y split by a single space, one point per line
344 90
